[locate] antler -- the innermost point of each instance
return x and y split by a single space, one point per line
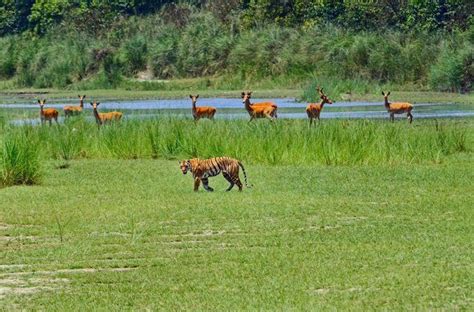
320 90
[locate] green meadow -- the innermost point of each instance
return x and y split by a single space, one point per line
349 214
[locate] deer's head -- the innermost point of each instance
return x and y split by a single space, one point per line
95 104
323 96
246 96
194 98
385 95
41 102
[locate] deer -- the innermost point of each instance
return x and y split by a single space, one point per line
259 110
203 111
397 108
47 114
314 109
102 118
75 110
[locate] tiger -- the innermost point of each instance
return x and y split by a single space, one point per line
202 169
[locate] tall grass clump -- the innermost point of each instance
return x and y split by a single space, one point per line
284 142
20 158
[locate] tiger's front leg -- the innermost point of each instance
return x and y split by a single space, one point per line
197 181
205 183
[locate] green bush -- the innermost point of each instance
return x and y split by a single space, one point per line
203 47
134 54
454 70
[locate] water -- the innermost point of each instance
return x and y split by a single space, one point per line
234 109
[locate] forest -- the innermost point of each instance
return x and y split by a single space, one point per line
404 44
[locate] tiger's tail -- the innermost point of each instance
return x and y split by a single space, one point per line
245 175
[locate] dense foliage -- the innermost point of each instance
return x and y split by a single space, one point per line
101 44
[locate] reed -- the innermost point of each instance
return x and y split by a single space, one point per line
285 142
20 157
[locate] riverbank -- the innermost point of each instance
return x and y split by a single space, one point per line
12 96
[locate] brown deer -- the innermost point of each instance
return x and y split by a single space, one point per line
314 109
74 110
259 110
203 111
102 118
47 114
397 108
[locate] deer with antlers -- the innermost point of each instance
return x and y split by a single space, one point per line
202 111
397 108
102 118
74 110
259 110
314 109
47 114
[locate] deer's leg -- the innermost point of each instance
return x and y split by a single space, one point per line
410 117
310 121
392 117
197 181
50 122
205 183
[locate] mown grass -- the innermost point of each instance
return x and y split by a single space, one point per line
304 237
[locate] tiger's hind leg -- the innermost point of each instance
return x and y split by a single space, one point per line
205 183
236 180
229 179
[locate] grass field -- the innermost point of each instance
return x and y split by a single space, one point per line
131 234
350 214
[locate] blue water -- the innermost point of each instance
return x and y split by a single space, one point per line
234 109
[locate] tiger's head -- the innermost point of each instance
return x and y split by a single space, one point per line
185 166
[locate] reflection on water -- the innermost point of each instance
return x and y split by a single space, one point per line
234 109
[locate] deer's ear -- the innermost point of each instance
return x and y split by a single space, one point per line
190 96
97 103
44 101
39 102
242 94
79 96
197 96
383 93
388 93
84 96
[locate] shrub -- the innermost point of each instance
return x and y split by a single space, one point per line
454 70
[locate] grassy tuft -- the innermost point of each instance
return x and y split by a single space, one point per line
20 159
